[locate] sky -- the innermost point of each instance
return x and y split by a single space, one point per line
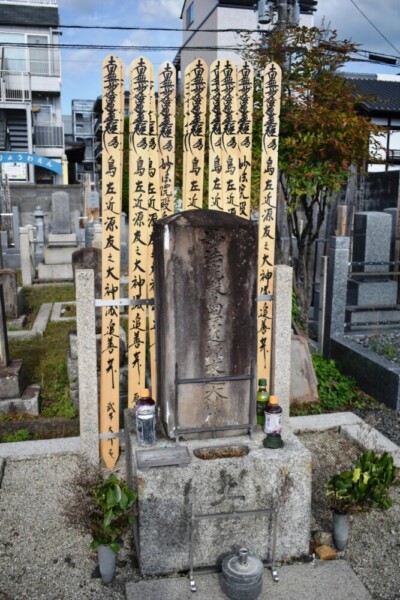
81 68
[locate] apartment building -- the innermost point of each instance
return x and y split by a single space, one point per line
31 128
83 131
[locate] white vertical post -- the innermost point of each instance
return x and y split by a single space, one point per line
87 365
282 337
25 256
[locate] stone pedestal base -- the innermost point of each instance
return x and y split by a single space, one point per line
365 293
62 271
12 379
260 479
28 403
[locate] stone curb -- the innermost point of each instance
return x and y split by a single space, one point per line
23 450
39 326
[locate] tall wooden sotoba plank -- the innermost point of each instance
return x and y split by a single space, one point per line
214 151
245 87
139 181
195 146
267 214
166 136
112 150
229 137
185 142
154 213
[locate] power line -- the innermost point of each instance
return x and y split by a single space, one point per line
75 46
375 27
179 29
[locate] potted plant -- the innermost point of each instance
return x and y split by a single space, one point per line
103 506
363 488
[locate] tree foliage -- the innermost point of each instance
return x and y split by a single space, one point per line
322 133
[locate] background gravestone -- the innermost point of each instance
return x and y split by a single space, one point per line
60 212
371 243
89 258
8 279
205 289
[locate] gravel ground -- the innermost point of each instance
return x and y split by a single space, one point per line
41 557
373 550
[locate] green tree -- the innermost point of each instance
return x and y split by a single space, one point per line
322 133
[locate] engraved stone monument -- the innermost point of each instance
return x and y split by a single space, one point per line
202 498
205 288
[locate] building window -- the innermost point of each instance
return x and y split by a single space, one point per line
190 15
39 54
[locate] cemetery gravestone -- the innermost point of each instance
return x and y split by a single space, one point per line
89 258
371 243
61 212
205 284
8 279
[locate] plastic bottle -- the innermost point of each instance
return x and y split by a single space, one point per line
145 419
273 417
262 400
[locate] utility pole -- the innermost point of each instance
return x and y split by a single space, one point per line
282 13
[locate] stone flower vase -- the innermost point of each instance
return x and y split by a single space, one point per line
341 526
107 563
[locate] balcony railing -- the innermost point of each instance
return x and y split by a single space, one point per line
393 156
15 86
48 135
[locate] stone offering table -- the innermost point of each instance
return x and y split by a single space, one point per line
261 478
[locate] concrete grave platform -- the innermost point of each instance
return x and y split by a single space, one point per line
63 271
58 255
369 292
27 402
260 479
333 580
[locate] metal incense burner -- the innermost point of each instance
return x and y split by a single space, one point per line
242 575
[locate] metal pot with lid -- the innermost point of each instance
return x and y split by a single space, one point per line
242 575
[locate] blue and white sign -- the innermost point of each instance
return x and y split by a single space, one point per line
31 159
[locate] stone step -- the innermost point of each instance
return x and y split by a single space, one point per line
334 580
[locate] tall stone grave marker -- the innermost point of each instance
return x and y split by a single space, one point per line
8 279
372 237
61 213
205 284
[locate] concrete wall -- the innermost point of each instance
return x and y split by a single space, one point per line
28 197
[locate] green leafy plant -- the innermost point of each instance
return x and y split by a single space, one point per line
115 503
21 435
364 487
102 505
334 389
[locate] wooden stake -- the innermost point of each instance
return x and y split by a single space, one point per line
229 137
139 181
214 153
245 87
267 214
166 136
195 138
113 138
154 213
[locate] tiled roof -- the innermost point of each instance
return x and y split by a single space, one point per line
43 16
384 94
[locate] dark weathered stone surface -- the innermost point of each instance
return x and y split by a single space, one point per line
89 258
205 284
61 214
8 278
